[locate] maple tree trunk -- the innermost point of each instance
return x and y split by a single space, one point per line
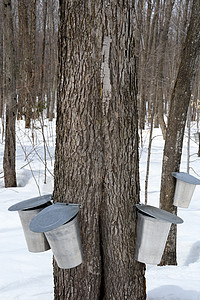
96 161
180 100
10 97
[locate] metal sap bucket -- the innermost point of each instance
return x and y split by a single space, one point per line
197 137
153 225
185 186
60 226
27 210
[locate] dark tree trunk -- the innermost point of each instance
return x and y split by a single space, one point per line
143 75
180 99
97 148
161 59
10 97
153 45
26 59
42 91
1 61
29 59
20 77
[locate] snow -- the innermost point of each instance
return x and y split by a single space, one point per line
180 282
26 276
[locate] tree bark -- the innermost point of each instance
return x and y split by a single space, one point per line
161 59
42 90
97 148
29 59
26 54
20 77
52 72
1 61
153 45
10 97
180 99
143 67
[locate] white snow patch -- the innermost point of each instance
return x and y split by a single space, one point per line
180 282
27 276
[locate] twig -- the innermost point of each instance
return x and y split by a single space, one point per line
29 164
194 172
36 152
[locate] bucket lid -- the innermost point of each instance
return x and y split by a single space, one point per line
53 216
186 177
159 213
31 203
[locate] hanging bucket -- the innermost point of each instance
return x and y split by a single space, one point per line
27 210
60 226
197 137
185 186
153 225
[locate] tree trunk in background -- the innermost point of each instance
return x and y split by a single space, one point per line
184 22
29 59
180 100
26 59
1 60
143 76
153 45
52 72
20 78
42 92
96 161
139 46
32 58
161 59
10 97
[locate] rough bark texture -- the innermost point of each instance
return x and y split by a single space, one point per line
26 62
1 60
153 46
176 124
161 59
10 97
41 95
20 77
143 75
96 150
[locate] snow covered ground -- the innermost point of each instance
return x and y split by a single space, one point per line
180 282
25 275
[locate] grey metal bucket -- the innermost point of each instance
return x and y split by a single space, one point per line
60 226
66 244
36 242
27 210
197 137
153 225
185 186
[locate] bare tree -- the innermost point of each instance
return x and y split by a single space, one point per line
26 61
160 73
51 75
97 147
10 96
180 100
1 59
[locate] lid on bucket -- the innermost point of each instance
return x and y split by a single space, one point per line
31 203
53 216
186 177
159 213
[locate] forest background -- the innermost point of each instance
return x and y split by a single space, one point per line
31 45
